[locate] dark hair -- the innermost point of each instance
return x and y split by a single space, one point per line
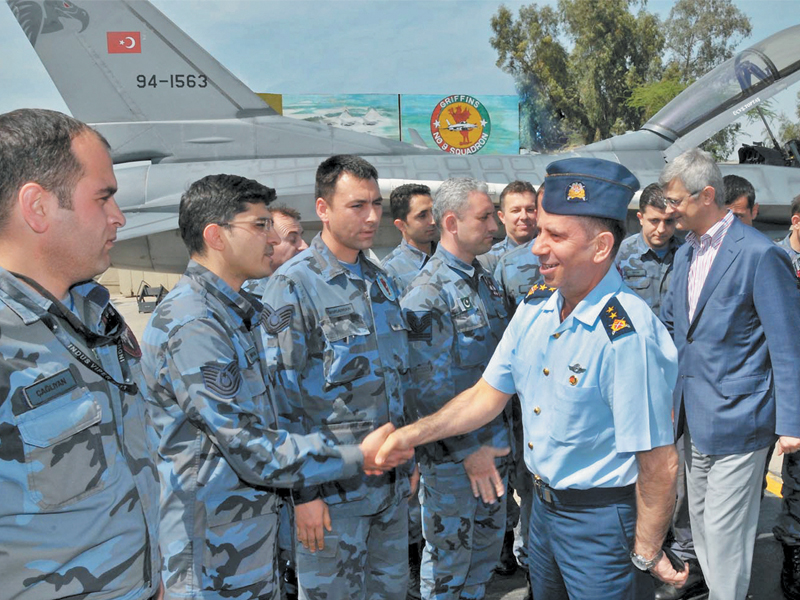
216 199
735 187
286 211
516 187
36 146
331 169
653 196
796 205
617 229
400 198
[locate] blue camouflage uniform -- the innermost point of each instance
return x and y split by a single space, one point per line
644 271
515 273
490 259
456 317
78 481
403 263
219 450
255 287
595 389
787 529
340 352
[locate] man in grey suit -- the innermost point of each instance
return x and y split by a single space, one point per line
731 309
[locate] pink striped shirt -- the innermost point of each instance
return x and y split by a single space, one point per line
705 251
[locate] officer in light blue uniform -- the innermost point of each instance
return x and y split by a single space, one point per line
594 370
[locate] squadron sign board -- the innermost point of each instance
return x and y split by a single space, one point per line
460 124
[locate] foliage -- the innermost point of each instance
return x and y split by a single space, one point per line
791 130
593 68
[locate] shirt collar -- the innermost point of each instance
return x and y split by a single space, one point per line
642 248
415 252
720 226
242 306
91 301
330 266
588 309
456 263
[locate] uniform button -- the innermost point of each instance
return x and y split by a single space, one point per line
530 445
537 410
690 340
546 371
556 335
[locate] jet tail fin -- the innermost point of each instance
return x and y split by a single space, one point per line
122 61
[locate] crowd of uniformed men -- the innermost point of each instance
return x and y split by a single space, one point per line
261 441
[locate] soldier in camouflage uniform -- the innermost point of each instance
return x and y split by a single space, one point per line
787 529
645 259
290 231
412 210
456 317
412 213
205 368
516 272
78 482
518 213
341 352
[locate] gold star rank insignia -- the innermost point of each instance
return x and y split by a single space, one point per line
615 320
539 292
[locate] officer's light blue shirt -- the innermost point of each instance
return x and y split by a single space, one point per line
589 403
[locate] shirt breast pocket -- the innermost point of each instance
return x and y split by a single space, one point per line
63 448
471 331
576 417
636 279
346 347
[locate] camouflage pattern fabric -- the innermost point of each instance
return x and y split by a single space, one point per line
78 481
516 272
456 317
793 255
403 263
255 286
338 348
490 259
219 449
643 271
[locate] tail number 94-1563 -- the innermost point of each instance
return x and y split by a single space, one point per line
173 81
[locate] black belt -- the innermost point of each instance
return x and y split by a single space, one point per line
592 497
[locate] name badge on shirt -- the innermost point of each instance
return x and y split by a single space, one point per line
45 390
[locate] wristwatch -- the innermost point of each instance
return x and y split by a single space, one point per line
641 563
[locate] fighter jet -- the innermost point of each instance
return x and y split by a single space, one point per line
173 114
463 126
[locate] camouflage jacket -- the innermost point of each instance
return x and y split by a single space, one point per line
456 317
516 272
78 481
794 256
403 263
255 286
338 351
490 259
203 360
643 271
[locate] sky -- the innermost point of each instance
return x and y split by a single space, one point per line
338 46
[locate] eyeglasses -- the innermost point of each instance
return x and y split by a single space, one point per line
676 203
261 225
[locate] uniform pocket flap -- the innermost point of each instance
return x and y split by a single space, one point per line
341 328
744 385
58 420
349 433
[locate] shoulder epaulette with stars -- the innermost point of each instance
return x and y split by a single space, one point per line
615 320
538 292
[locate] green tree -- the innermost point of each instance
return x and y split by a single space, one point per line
700 34
611 52
790 130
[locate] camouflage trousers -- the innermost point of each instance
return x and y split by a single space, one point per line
787 530
463 534
414 519
364 558
518 515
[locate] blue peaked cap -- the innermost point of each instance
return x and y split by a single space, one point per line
588 187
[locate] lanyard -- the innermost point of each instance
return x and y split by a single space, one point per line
92 339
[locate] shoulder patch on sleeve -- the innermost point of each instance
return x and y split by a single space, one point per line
223 381
616 321
275 321
539 292
421 326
